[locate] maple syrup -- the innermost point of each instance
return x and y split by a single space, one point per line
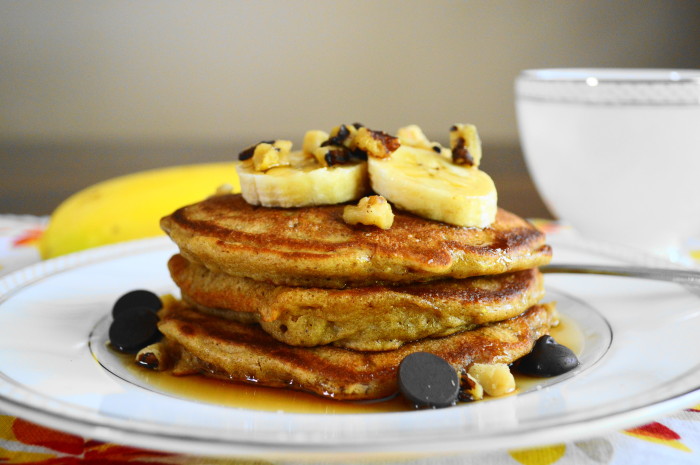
255 397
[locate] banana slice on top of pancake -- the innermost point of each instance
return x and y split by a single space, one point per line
272 175
432 186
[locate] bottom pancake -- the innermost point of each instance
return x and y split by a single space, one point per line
201 343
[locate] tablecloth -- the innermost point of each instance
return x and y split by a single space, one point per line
673 439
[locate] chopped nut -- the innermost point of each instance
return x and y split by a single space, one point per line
470 389
377 144
223 190
465 144
284 146
413 136
372 210
496 379
344 135
154 356
248 153
313 140
461 155
266 156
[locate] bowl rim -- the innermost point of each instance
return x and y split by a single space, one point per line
597 76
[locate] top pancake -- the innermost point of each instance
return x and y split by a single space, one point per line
313 246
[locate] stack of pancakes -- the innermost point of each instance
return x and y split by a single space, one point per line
297 298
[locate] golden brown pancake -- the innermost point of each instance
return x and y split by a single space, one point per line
313 246
201 343
378 317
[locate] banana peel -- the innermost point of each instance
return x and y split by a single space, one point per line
130 207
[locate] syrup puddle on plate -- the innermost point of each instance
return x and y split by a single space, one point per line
250 396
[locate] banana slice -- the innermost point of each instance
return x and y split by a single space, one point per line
429 185
303 183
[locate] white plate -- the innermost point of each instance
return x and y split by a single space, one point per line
650 366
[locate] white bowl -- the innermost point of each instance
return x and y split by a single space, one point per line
616 152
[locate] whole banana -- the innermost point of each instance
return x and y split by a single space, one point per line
130 207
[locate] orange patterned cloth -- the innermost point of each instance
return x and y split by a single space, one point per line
674 439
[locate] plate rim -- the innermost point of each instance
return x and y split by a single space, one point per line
112 430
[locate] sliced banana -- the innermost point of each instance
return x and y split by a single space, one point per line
429 185
302 183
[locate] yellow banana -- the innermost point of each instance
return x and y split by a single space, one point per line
130 207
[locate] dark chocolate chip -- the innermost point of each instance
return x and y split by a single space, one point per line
358 154
339 138
427 380
247 153
134 329
548 358
137 298
337 156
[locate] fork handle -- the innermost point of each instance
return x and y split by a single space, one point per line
684 277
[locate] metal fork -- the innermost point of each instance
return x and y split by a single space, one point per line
688 278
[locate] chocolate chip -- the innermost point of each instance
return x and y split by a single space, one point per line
134 329
247 153
358 154
548 358
137 298
339 139
427 380
337 156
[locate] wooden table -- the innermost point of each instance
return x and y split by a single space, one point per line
36 177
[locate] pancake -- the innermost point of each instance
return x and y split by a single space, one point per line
314 247
378 317
201 343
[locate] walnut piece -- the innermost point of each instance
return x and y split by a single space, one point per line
496 379
372 210
313 140
266 156
465 144
470 390
413 136
376 144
